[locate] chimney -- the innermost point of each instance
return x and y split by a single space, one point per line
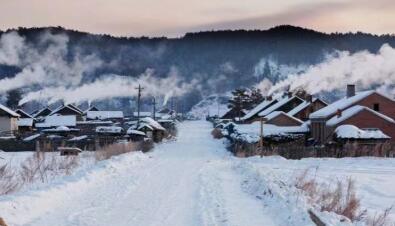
350 90
309 98
339 113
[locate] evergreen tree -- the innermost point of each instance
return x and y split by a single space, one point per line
239 100
256 98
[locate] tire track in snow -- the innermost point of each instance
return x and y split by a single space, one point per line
223 201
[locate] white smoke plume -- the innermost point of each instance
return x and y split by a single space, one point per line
112 86
271 69
44 64
363 69
47 65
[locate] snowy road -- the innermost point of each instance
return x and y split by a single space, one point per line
187 182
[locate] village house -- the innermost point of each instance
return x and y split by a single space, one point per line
310 105
151 128
368 110
25 122
8 121
234 113
41 113
54 121
279 118
91 108
68 109
252 115
143 114
115 116
285 104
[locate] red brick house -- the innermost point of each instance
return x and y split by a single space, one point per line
365 110
279 118
308 106
284 104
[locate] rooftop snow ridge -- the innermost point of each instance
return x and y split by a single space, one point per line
340 104
353 111
9 111
275 106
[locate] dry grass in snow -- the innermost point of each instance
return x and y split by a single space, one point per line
340 198
41 166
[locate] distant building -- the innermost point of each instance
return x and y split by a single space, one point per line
41 113
68 109
105 115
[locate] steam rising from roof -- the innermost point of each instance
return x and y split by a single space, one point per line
363 69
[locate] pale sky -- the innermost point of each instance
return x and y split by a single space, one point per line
173 18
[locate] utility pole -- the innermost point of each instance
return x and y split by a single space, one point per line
261 136
154 108
138 103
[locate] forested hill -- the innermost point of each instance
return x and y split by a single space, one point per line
209 56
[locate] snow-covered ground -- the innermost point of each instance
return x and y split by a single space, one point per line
190 181
374 177
212 105
186 182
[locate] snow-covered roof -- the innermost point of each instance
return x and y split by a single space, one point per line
353 132
79 138
25 122
104 115
68 106
340 104
58 120
37 113
349 112
142 114
251 132
60 129
131 130
94 122
9 111
109 129
299 108
150 121
257 109
23 113
277 105
142 125
274 114
91 108
32 137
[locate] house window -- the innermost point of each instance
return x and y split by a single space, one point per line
376 107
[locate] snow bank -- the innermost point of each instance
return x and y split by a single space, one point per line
353 132
374 177
23 207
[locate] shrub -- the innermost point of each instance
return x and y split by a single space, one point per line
380 219
340 199
216 133
8 180
39 166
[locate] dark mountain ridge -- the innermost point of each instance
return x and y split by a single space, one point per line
209 56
